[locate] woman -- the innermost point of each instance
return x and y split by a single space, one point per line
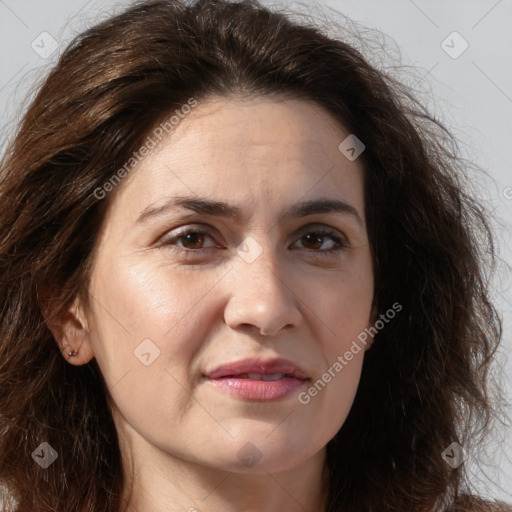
238 272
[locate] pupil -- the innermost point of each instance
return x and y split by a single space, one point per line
190 239
311 239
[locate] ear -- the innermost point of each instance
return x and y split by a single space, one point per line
71 332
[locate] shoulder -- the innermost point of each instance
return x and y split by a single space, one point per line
471 503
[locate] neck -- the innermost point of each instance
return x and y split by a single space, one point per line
163 483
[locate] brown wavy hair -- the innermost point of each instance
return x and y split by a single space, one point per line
426 381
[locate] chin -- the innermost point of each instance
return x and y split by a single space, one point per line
261 455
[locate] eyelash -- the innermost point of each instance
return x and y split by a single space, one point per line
169 242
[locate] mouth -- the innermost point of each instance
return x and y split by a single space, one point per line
258 380
260 376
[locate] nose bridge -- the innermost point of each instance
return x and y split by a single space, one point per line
259 293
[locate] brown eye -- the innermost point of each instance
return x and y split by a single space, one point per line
191 239
314 240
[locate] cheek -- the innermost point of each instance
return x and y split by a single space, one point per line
330 396
150 300
144 309
343 387
344 305
149 325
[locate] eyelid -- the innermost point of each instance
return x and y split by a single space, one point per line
336 235
327 230
180 232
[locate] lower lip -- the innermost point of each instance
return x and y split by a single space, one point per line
262 390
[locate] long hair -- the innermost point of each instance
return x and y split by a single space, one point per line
425 382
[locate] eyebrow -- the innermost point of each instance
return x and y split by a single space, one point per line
222 209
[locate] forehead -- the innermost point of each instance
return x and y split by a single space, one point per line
273 150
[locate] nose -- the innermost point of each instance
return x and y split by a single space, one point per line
261 297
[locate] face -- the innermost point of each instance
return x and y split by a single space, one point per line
270 264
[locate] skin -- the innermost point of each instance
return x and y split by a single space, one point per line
203 305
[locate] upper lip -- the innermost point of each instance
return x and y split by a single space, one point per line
258 366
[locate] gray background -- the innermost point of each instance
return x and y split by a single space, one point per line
471 93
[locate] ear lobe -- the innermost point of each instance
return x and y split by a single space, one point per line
70 331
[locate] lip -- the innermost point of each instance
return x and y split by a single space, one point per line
277 365
227 378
